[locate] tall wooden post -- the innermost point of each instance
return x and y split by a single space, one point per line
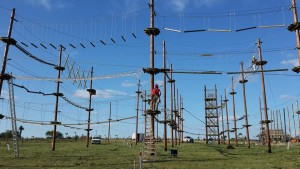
91 92
171 105
12 17
289 122
227 120
234 117
264 95
175 113
165 98
297 30
243 81
284 121
223 127
294 121
178 119
57 94
109 119
261 125
138 92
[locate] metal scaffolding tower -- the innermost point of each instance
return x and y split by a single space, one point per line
211 115
13 115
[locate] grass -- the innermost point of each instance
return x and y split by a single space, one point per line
119 154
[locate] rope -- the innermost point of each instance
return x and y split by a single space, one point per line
72 103
136 73
42 93
29 91
66 124
32 56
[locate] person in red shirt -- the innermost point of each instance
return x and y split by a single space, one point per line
155 97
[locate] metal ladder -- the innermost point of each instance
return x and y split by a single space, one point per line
13 117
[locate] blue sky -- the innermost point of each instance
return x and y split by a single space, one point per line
87 22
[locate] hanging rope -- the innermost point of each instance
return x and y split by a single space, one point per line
67 125
42 93
32 56
72 103
29 91
136 73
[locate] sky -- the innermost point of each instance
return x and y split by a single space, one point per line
109 36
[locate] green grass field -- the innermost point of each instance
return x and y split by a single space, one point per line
119 154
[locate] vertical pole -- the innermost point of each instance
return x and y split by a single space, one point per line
145 114
294 121
217 113
264 97
261 124
277 128
206 134
289 121
57 94
182 108
175 113
281 128
245 105
298 118
89 110
12 17
165 98
223 127
296 31
284 121
137 112
152 63
109 119
272 119
178 119
227 121
234 117
171 106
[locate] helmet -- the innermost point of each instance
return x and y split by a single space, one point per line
156 85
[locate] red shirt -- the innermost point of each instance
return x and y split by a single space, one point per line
155 91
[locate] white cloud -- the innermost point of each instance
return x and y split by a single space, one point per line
293 62
107 93
181 5
287 97
128 84
47 4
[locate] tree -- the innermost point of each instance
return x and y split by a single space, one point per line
6 134
58 134
21 128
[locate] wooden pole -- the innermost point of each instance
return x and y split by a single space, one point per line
294 121
289 122
171 106
57 94
12 17
109 119
90 109
175 113
227 120
285 140
234 117
261 124
223 127
296 31
165 98
281 127
137 112
243 81
264 96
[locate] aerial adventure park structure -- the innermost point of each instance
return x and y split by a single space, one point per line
214 108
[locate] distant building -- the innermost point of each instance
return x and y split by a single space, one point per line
275 135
